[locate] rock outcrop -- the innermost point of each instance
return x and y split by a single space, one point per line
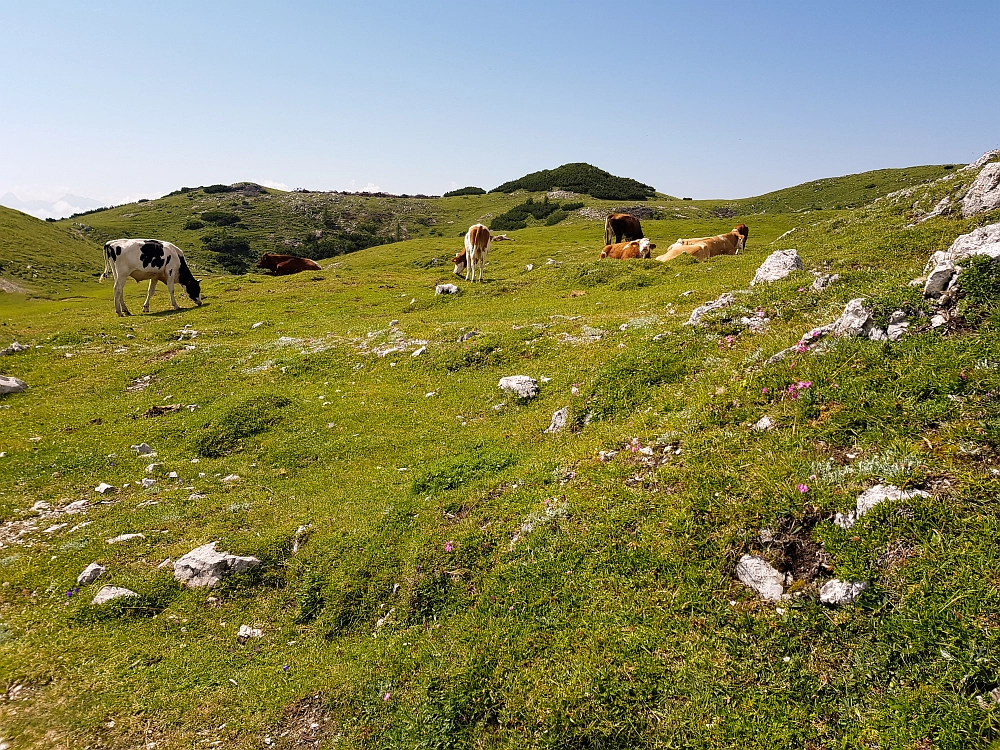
758 574
521 386
11 385
110 593
943 268
870 498
778 265
716 304
984 195
204 566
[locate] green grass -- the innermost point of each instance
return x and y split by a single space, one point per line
467 580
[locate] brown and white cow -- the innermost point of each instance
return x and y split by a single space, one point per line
461 260
282 265
627 250
148 259
704 248
622 225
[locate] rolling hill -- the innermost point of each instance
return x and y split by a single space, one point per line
40 256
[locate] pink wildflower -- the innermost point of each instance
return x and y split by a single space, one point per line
449 546
385 697
763 390
803 488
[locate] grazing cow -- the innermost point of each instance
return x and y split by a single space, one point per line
461 260
704 248
626 250
282 265
148 259
622 225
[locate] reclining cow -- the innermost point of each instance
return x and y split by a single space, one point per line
283 265
622 225
704 248
627 250
154 260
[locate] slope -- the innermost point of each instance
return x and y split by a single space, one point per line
439 572
38 256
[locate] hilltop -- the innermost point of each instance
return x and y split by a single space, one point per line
581 178
438 571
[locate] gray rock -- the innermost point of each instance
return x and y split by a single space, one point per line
246 633
898 324
939 278
716 304
521 386
467 335
205 566
11 385
836 592
142 449
984 195
446 289
13 349
943 207
90 574
878 334
823 280
109 593
125 538
104 488
148 482
778 265
559 420
758 574
764 424
870 498
938 320
982 160
854 321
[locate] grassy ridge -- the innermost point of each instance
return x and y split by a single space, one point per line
469 581
35 255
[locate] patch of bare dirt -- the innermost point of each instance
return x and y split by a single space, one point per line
304 723
791 547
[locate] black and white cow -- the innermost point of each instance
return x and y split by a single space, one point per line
148 259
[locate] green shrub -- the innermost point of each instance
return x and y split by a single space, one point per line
465 191
979 283
555 217
220 218
572 206
194 224
580 178
218 189
517 217
246 418
232 252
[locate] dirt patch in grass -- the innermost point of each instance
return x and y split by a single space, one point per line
159 411
792 549
304 723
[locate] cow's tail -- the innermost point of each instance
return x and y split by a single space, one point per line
607 230
107 266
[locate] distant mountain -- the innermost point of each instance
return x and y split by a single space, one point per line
582 178
68 205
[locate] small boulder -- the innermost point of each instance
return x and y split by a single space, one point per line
521 386
143 449
778 265
445 289
716 304
246 633
938 279
898 324
11 385
104 488
109 593
125 538
836 592
205 566
764 424
870 498
854 321
559 420
758 574
90 574
823 280
984 195
13 349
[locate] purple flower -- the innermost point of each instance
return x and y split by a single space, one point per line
386 696
449 546
284 668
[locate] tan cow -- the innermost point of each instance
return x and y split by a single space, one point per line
477 245
627 250
704 248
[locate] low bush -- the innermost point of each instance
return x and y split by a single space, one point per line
194 224
218 189
465 191
232 252
220 218
517 217
581 178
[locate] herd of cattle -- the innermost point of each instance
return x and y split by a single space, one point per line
156 261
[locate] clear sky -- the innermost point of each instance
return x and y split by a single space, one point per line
120 100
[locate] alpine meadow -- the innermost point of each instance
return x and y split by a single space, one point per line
712 514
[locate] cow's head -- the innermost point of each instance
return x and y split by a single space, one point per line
459 261
743 232
645 246
191 285
267 260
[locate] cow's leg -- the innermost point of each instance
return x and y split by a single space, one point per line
470 266
170 289
120 307
149 294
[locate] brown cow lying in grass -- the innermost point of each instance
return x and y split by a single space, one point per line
704 248
626 250
282 265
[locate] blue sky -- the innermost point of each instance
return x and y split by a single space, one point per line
116 100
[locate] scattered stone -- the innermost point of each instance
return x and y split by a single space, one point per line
196 496
943 207
984 195
521 386
467 335
159 411
125 538
148 482
54 528
205 566
13 349
143 449
108 593
939 279
257 325
445 289
529 267
559 420
11 385
168 563
301 536
898 324
778 265
246 633
104 488
764 424
938 320
942 268
836 592
870 498
854 321
823 280
231 478
90 574
419 351
758 574
716 304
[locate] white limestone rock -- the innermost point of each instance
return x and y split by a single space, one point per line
778 265
939 279
205 566
246 633
758 574
898 323
870 498
521 386
823 280
716 304
90 574
104 488
764 424
445 289
109 593
559 420
836 592
11 385
125 538
13 349
143 449
984 195
854 321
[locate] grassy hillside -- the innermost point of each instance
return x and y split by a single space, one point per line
35 255
466 580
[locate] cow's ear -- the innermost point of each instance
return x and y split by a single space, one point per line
652 247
